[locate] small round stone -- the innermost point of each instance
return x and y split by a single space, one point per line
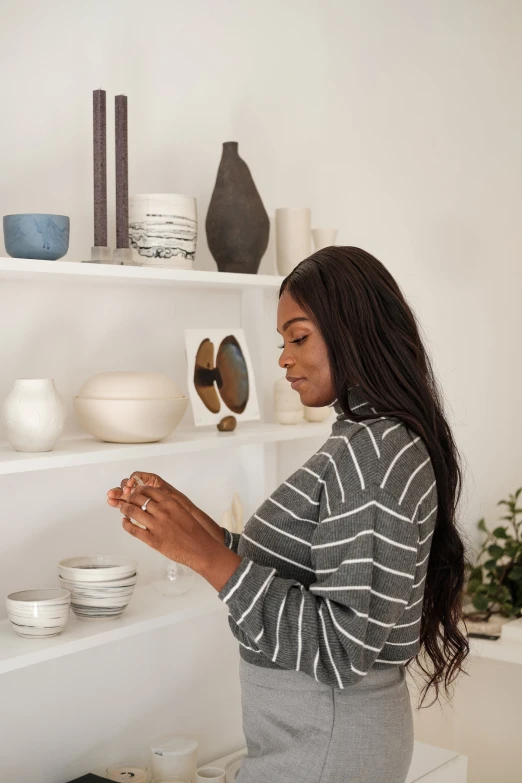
228 424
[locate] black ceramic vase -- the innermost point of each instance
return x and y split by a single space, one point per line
237 224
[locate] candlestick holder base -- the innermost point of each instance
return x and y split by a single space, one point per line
123 255
101 255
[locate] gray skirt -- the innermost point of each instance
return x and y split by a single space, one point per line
300 731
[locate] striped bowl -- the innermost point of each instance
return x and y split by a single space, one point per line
38 613
100 600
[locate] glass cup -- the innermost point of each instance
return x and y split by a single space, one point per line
173 579
127 771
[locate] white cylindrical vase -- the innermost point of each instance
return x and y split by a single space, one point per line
34 415
293 226
324 237
174 756
317 414
163 229
288 408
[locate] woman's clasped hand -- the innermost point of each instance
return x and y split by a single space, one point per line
170 521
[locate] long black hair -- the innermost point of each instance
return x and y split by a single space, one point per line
373 341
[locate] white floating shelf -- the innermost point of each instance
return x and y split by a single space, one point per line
26 269
147 611
88 451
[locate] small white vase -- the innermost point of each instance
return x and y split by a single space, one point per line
288 408
324 237
317 414
34 415
293 227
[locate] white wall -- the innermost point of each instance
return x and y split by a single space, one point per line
398 122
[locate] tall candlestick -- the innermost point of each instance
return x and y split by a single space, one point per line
122 174
99 167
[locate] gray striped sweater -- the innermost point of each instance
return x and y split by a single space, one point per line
334 562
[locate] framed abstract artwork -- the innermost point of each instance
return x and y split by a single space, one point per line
220 376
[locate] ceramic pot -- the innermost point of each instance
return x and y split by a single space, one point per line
120 385
163 229
288 408
130 421
317 414
292 237
34 415
237 223
324 237
42 237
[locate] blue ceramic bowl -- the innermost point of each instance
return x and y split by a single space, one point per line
45 237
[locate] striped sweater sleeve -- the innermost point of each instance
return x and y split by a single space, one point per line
231 540
364 552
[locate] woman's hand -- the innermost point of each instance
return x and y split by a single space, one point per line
167 526
152 480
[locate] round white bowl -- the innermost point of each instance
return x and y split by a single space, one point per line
129 386
97 569
130 421
38 613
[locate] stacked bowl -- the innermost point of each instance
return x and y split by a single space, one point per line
100 587
130 407
38 613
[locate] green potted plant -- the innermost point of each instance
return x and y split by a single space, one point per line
494 582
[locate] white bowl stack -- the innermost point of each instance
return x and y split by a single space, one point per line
38 613
130 407
101 587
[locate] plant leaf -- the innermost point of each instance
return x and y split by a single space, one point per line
480 602
475 579
495 551
500 532
481 524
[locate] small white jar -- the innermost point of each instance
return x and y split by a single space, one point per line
288 408
34 415
317 414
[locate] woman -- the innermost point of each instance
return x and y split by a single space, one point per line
353 567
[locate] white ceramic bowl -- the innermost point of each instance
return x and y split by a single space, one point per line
38 613
130 421
97 569
129 386
86 608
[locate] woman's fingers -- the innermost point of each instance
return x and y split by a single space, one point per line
150 479
113 497
132 506
137 514
141 494
138 532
